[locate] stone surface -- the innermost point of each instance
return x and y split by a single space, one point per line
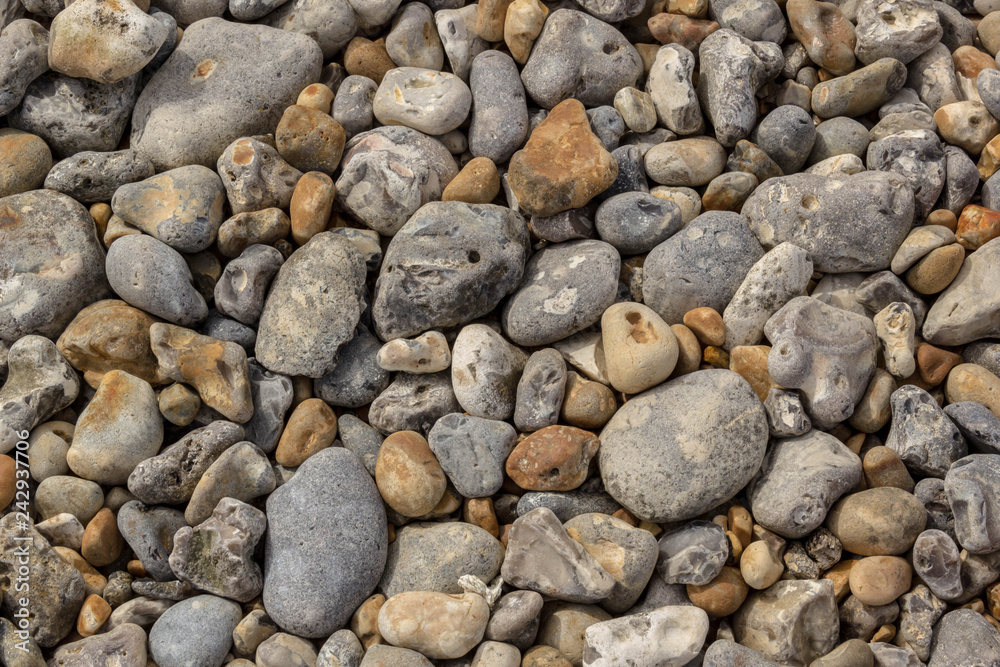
670 635
922 434
969 487
471 450
879 521
435 624
955 318
196 630
790 622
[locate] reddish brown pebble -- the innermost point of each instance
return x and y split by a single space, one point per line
8 480
309 140
883 467
750 361
944 218
479 512
367 58
408 475
102 543
556 458
477 183
934 364
976 226
722 596
677 29
311 429
312 201
93 614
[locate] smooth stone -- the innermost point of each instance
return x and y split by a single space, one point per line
47 447
540 391
636 222
919 242
640 350
922 434
26 160
284 650
566 288
371 190
45 229
357 379
862 91
964 637
969 485
667 636
718 407
152 276
693 553
66 494
241 472
570 60
956 318
877 522
325 546
413 40
408 475
149 531
979 426
413 403
825 33
499 119
74 115
686 162
435 624
827 354
119 428
485 371
702 265
471 244
423 99
309 140
787 135
245 229
92 177
792 622
555 458
360 438
24 51
515 619
839 135
352 107
382 655
207 94
298 339
937 562
196 631
800 479
472 450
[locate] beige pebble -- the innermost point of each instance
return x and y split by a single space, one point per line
936 271
316 96
970 382
587 404
873 411
636 109
490 18
687 199
521 27
427 353
364 622
408 475
640 349
179 404
311 428
563 624
879 580
688 351
760 566
312 201
967 125
686 162
944 218
439 625
102 544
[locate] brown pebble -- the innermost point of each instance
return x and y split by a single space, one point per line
364 622
886 633
977 226
94 612
477 183
316 96
490 18
626 516
309 140
944 218
102 543
367 58
479 512
311 429
879 580
840 575
936 270
408 475
688 351
245 229
883 467
750 361
716 357
8 480
555 458
93 581
971 382
312 201
587 404
970 61
136 569
707 326
934 364
178 404
741 523
25 159
722 596
101 213
678 29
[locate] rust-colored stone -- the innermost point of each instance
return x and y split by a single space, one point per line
934 364
480 512
722 596
477 183
364 622
555 458
367 58
312 201
563 165
311 429
678 29
309 140
827 35
976 226
102 542
750 361
970 61
408 475
707 325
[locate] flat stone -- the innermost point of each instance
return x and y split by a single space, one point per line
937 562
188 112
149 531
484 372
66 494
435 624
969 485
540 391
862 91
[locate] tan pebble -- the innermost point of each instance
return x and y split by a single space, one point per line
970 382
390 533
696 9
936 270
555 458
760 566
439 625
587 404
309 140
636 109
735 549
707 325
877 522
408 475
967 125
688 162
741 523
975 605
563 625
102 543
728 191
427 353
364 622
116 229
886 633
640 349
840 575
522 25
873 411
490 18
136 569
879 580
450 501
977 226
479 512
544 656
647 53
688 351
505 533
316 96
311 429
563 165
312 201
25 159
245 229
883 467
626 516
101 213
93 581
989 159
178 404
934 364
944 218
680 29
367 58
970 61
8 480
94 612
750 361
477 183
825 32
716 357
722 596
250 632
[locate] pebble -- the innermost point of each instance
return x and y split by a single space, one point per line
711 407
785 636
587 404
409 476
969 382
686 162
471 451
26 161
636 222
876 522
883 467
425 100
670 635
693 554
937 562
878 580
786 416
413 402
241 472
640 349
969 492
413 40
922 434
436 624
979 426
124 646
456 28
283 649
196 630
24 46
825 33
171 476
964 636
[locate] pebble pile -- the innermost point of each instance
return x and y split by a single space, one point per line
570 333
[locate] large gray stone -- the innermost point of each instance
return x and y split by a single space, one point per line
24 55
472 452
196 631
969 308
92 177
499 123
973 488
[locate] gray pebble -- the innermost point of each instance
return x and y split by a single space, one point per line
931 492
973 488
613 11
932 75
209 91
413 40
985 353
435 260
651 432
485 370
607 124
352 107
24 55
196 631
241 472
67 494
800 480
961 180
499 112
272 396
785 415
895 29
581 57
964 637
413 402
432 557
357 378
963 312
149 531
540 391
756 20
977 424
787 135
472 452
92 177
880 289
988 88
242 288
917 155
325 546
631 173
922 434
152 276
74 115
255 176
919 611
860 621
515 619
702 265
576 223
169 44
249 10
937 562
636 222
839 136
457 30
693 554
361 439
311 311
957 29
901 121
589 498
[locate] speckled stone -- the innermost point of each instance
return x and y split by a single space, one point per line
195 631
472 451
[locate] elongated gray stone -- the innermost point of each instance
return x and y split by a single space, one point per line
968 309
922 434
973 488
472 452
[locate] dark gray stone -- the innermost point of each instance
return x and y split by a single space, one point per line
540 391
973 488
589 498
92 177
515 619
242 288
196 631
800 480
979 426
413 402
756 20
985 353
631 172
785 415
208 93
272 396
880 289
957 29
964 637
860 621
787 135
450 263
499 121
576 223
313 307
578 56
961 180
352 107
922 434
607 124
636 222
918 156
919 610
24 56
153 277
472 452
432 557
75 115
839 136
653 432
149 531
357 379
325 547
361 439
851 224
702 265
936 560
693 554
930 491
